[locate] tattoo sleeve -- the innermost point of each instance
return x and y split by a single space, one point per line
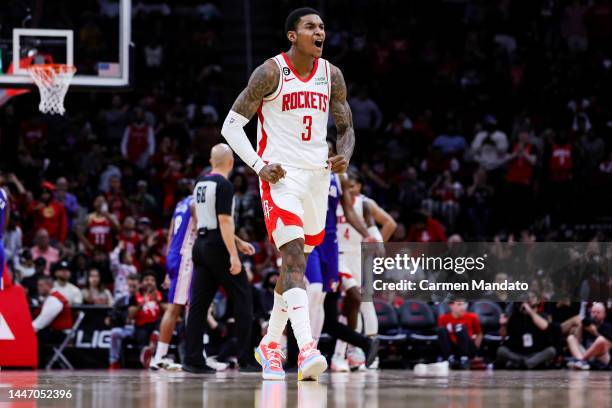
263 81
341 112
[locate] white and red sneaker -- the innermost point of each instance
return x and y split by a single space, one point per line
339 364
356 358
310 362
270 357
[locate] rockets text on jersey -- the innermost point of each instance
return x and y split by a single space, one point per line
292 126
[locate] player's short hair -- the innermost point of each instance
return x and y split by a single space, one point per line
355 175
294 17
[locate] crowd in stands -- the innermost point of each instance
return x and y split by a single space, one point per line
475 121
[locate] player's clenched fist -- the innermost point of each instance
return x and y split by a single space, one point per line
272 173
338 164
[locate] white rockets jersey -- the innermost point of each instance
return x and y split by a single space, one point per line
292 126
349 239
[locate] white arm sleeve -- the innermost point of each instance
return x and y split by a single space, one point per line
50 309
233 132
375 233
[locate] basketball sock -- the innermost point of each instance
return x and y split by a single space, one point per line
359 326
370 320
340 350
297 308
316 297
161 351
278 320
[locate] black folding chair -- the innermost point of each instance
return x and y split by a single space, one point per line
58 355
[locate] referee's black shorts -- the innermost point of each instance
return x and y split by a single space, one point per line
211 271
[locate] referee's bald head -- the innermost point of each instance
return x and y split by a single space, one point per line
221 156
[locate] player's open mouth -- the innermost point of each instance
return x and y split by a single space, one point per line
318 43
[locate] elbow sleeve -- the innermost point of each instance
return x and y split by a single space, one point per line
375 233
235 136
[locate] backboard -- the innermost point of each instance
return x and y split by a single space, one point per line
92 35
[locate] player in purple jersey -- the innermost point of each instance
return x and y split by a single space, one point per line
179 268
4 219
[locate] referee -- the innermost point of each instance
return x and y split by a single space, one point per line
216 262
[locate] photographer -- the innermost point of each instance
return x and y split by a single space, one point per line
529 341
591 341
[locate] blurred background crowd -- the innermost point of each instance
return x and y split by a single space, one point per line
476 120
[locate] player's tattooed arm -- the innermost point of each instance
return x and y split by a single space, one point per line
263 81
343 117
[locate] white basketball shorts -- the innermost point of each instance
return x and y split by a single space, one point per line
296 206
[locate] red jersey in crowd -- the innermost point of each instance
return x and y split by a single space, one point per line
52 217
519 168
433 231
63 320
560 164
149 310
131 242
99 232
137 141
116 205
469 321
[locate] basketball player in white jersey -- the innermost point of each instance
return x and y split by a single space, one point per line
292 94
349 244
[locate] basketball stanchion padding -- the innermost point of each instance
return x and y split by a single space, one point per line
53 81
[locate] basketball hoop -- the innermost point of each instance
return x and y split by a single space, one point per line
53 81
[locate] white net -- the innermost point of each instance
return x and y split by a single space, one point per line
53 81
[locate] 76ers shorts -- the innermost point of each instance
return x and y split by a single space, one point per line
322 266
296 206
180 281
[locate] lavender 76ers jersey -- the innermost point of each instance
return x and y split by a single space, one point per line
292 124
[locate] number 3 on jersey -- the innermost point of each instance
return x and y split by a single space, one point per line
308 122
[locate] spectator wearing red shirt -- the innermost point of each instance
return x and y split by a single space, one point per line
425 229
138 143
459 334
146 315
97 233
560 160
130 237
521 163
170 180
51 318
117 202
50 214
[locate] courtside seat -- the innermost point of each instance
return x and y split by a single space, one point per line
418 323
488 313
440 308
388 322
392 341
